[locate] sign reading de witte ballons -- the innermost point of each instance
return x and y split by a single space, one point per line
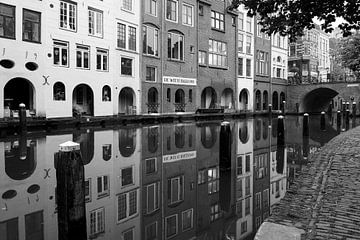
179 80
179 156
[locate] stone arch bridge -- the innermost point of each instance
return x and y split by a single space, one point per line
317 97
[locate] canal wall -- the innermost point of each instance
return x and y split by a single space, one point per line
322 203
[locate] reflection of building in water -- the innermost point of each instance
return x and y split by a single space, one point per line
261 175
278 181
244 178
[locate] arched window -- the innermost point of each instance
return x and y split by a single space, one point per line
265 99
179 96
258 100
168 95
106 93
59 91
179 136
106 152
279 59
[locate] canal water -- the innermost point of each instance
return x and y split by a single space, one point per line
179 181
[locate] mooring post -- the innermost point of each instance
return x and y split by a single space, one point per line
280 131
270 111
347 117
306 125
338 118
354 109
70 192
347 106
280 155
283 107
322 121
22 118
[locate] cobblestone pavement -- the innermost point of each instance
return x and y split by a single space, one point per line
325 199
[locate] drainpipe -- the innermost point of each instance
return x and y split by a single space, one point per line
161 36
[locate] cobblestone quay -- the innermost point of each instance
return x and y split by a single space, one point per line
324 201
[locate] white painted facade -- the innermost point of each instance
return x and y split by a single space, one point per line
95 40
279 56
246 60
323 56
278 181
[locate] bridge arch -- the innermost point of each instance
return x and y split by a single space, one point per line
318 99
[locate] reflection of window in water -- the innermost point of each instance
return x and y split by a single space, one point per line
150 165
103 188
243 134
10 228
88 190
257 129
153 139
151 231
179 136
190 140
175 189
152 197
59 91
127 176
97 221
127 205
265 129
106 152
208 136
34 225
86 141
127 141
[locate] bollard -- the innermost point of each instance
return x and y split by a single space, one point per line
347 106
306 125
347 119
338 118
354 109
225 165
280 131
70 192
322 121
306 148
270 111
343 108
22 118
283 107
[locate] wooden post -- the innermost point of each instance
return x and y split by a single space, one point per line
270 112
322 121
70 192
22 118
280 131
280 155
338 119
306 147
347 119
306 125
354 109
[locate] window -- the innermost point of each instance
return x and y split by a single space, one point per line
61 53
88 190
127 205
258 200
150 166
243 227
152 197
95 23
266 197
187 219
240 42
97 221
239 208
247 186
31 26
248 24
132 39
248 67
257 222
121 35
171 10
106 148
7 21
175 189
175 46
278 72
59 91
171 226
239 165
240 66
262 59
241 21
127 5
187 15
168 98
127 176
247 206
102 57
201 176
215 212
106 96
202 57
259 28
151 231
82 56
247 163
126 66
150 74
217 53
248 44
68 15
213 180
190 100
239 188
103 186
217 20
128 234
151 39
151 7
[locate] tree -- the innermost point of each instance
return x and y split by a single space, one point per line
349 50
291 17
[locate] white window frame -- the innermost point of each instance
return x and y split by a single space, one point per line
216 53
185 6
127 200
147 226
117 35
123 7
83 49
192 219
66 20
217 20
156 40
176 11
96 22
146 80
105 188
102 53
248 44
240 42
132 176
96 227
126 37
151 11
180 36
61 45
166 224
202 57
156 187
129 37
180 194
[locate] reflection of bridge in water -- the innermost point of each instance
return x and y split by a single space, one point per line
318 97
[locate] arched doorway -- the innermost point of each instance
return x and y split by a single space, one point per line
227 98
208 98
243 132
16 91
244 100
83 100
275 101
265 100
126 101
179 100
153 105
127 141
258 100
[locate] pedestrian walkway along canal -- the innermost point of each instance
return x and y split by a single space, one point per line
203 180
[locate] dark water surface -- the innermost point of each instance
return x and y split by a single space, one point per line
178 181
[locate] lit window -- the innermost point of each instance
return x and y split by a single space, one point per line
102 57
217 53
68 15
175 46
95 23
127 5
126 66
217 20
82 56
31 26
150 41
97 221
172 10
61 53
187 15
151 7
7 21
103 188
213 180
202 57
